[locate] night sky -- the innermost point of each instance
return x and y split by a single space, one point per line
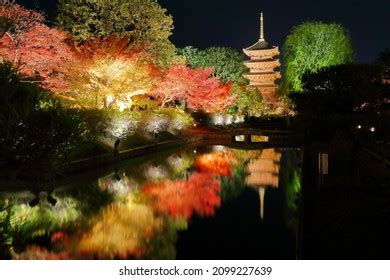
232 23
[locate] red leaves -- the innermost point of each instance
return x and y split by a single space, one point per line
34 48
212 100
196 87
110 67
21 19
182 198
43 51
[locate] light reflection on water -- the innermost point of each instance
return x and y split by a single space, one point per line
149 210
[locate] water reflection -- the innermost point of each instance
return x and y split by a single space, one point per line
140 211
264 173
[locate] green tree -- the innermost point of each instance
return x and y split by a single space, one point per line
227 62
249 101
312 46
143 20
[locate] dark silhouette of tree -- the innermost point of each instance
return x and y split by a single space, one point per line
383 61
343 88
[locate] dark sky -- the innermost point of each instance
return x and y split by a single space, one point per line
234 23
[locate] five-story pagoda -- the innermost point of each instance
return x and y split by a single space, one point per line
264 59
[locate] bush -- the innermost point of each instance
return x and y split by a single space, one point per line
34 126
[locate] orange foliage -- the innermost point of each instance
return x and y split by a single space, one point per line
183 198
216 164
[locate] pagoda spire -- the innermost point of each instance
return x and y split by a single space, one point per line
261 27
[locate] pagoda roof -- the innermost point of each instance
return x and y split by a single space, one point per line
260 45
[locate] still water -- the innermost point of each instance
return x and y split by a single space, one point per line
210 202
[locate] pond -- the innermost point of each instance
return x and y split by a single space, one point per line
205 202
326 197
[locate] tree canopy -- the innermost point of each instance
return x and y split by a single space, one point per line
33 48
312 46
143 20
342 88
226 62
195 86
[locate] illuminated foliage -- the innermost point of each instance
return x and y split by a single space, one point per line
33 48
107 74
17 20
39 52
216 164
145 21
196 87
249 101
226 62
312 46
181 198
120 231
174 85
27 223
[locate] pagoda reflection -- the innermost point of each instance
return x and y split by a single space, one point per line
263 173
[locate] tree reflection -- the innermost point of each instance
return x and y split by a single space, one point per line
122 230
119 231
183 198
291 179
129 214
217 164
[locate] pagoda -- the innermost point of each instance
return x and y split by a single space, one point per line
264 59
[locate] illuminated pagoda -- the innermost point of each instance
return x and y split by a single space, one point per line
264 59
263 173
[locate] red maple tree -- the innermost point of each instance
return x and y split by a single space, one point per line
33 48
196 87
19 19
42 53
181 198
216 99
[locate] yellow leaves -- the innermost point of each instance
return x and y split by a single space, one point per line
120 231
112 82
